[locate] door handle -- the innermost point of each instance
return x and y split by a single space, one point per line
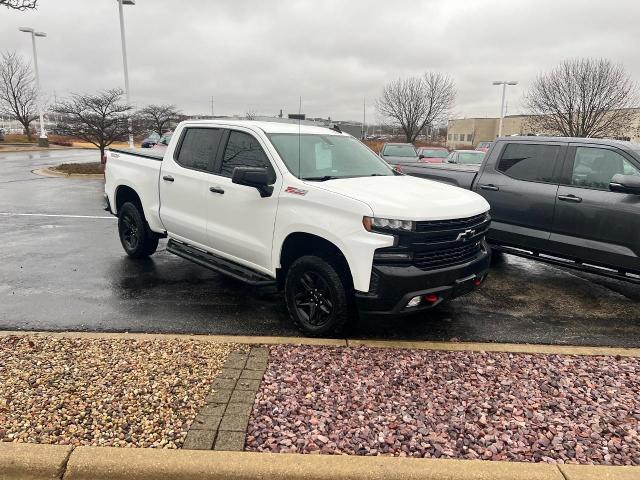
168 178
216 190
490 186
569 198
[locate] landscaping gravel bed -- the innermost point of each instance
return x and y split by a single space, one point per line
105 392
473 405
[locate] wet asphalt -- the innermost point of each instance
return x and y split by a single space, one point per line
62 268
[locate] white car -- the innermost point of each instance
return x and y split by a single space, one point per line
309 209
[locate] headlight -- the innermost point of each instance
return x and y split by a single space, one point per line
375 223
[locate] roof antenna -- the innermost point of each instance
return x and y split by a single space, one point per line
299 147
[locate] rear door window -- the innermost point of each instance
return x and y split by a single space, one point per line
530 162
198 148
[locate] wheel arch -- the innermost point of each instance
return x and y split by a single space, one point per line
123 194
298 244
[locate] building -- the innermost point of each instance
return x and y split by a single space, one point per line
468 132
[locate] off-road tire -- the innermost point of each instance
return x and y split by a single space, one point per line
333 284
136 238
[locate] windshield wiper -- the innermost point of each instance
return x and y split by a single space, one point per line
320 179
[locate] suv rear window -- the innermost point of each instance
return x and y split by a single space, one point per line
529 162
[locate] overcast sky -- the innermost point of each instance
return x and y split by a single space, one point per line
262 55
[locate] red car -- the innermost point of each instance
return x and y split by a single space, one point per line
484 146
432 154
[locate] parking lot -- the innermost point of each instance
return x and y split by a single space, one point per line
64 269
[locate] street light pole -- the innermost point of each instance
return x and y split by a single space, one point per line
43 141
504 84
124 62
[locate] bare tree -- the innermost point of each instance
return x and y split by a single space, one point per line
19 4
18 93
100 119
415 102
582 98
250 115
159 118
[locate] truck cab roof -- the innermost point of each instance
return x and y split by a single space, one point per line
595 141
269 127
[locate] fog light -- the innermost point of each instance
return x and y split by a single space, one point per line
414 302
431 298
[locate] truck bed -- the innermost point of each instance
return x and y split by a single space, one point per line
457 175
141 152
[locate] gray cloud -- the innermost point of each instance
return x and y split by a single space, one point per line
261 56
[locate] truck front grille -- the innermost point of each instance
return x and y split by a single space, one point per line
438 244
454 224
446 257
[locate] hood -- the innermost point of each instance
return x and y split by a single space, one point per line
408 198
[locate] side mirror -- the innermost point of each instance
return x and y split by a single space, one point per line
625 184
257 178
421 156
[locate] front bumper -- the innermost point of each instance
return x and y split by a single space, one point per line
392 287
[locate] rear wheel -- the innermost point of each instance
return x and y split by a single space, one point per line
135 236
318 296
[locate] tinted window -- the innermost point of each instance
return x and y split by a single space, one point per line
595 167
199 147
243 150
399 151
530 162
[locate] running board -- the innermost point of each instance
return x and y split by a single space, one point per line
219 264
572 264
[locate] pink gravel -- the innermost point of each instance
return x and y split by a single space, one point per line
473 405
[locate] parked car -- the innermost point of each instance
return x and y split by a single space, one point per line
395 153
568 201
484 146
466 157
163 142
432 154
307 209
150 141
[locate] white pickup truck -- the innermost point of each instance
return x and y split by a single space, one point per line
310 210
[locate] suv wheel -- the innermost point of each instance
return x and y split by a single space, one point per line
318 296
136 238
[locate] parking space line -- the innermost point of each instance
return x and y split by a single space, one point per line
11 214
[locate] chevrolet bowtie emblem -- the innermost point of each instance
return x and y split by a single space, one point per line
466 235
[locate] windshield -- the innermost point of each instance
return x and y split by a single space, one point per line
322 157
434 153
399 151
470 158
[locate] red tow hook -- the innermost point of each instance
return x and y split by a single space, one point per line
431 298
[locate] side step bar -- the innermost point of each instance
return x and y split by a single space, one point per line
219 264
572 264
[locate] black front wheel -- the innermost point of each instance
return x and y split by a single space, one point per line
136 238
317 295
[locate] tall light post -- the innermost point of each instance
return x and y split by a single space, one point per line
504 84
43 141
124 61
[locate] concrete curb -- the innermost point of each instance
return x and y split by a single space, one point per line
448 346
48 172
44 462
29 461
14 149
